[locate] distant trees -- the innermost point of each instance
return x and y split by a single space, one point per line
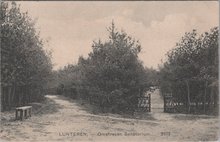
112 76
25 66
191 70
65 80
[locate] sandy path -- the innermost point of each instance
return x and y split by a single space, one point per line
157 109
67 121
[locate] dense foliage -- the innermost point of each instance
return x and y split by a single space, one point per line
25 66
191 70
112 76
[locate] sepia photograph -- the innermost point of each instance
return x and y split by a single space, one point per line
109 71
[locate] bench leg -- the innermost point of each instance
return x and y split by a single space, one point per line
25 113
30 111
22 115
16 114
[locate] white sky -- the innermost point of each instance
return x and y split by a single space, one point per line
72 26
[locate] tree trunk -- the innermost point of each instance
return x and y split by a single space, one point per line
2 98
19 96
188 95
204 99
9 96
13 95
24 96
6 98
30 94
211 98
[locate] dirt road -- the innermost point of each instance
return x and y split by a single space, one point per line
63 119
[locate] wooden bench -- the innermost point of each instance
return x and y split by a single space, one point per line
25 112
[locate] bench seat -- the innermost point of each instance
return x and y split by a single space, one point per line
25 112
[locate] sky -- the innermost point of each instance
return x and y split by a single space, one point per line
71 27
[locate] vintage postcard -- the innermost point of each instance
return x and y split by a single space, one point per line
109 71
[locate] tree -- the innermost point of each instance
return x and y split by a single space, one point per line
112 76
115 72
191 67
25 65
